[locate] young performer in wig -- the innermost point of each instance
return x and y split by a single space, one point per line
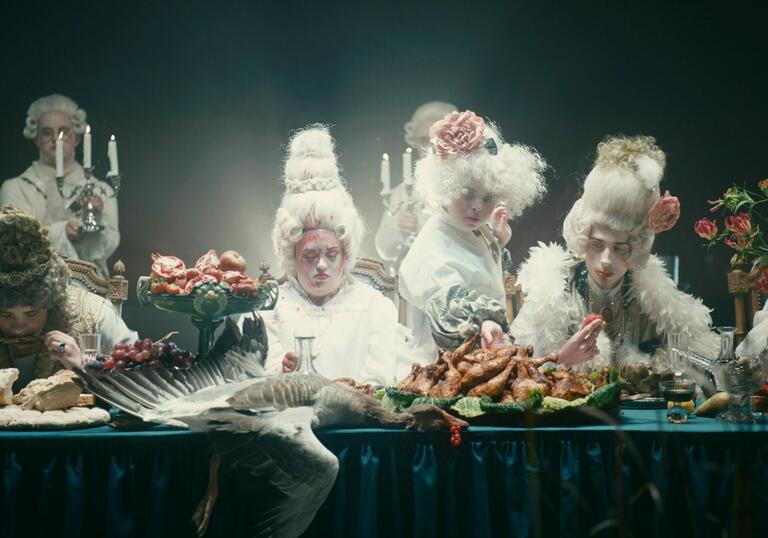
316 236
35 190
608 269
473 182
41 314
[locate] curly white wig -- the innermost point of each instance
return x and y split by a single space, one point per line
417 128
315 197
54 103
619 192
515 174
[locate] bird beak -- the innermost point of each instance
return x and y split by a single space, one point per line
451 421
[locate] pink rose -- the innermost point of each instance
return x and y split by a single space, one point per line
740 224
459 133
664 213
706 229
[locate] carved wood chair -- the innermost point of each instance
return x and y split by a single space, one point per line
514 295
746 301
114 288
373 271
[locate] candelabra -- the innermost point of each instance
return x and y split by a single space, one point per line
408 205
83 206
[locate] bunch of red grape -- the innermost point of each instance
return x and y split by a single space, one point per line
143 354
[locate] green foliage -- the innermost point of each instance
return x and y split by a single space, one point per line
442 403
469 407
558 404
606 396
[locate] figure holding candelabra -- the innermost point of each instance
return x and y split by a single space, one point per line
404 212
79 211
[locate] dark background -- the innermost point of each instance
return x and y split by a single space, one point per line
203 96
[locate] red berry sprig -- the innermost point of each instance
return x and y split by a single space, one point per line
455 436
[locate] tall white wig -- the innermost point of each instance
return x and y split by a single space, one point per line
514 172
54 103
417 128
619 192
315 198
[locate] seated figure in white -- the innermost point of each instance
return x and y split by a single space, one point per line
317 236
42 315
608 269
452 276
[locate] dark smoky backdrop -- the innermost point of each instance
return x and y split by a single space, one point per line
204 95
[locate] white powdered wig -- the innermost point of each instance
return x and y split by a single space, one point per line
315 197
619 192
54 103
515 174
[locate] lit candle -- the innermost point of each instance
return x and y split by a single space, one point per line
385 175
87 147
60 155
112 154
408 166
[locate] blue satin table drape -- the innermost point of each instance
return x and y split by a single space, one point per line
643 478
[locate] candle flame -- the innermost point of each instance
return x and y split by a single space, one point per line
385 157
408 150
61 135
112 138
88 129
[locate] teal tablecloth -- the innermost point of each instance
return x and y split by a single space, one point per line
643 478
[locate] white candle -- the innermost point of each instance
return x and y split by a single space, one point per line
408 166
112 154
385 174
60 155
87 147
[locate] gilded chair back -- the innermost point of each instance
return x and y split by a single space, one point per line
114 288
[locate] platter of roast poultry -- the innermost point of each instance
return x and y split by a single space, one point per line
507 386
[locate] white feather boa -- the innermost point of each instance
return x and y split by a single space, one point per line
551 308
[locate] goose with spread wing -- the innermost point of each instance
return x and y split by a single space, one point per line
269 422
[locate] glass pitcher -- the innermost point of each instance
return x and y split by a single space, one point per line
303 347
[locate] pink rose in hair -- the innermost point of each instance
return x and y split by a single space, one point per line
459 133
664 213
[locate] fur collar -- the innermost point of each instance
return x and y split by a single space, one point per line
552 307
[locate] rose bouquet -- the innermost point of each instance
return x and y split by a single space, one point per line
742 211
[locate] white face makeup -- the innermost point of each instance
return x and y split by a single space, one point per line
473 207
607 254
49 126
22 321
319 264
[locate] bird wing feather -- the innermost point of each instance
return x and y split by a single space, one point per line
287 454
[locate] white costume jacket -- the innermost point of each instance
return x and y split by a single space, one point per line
354 331
35 192
452 280
554 309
